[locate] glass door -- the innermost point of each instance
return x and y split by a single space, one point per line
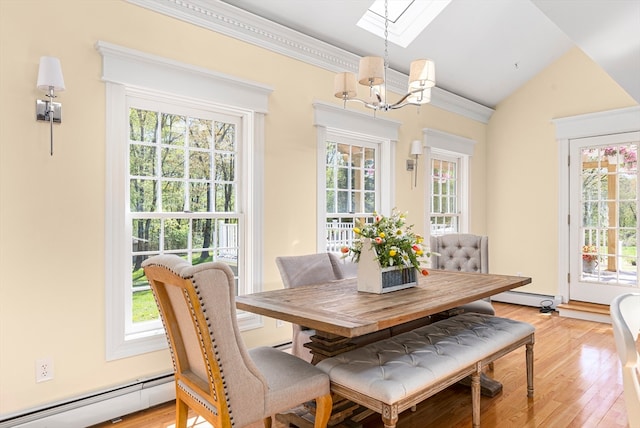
604 217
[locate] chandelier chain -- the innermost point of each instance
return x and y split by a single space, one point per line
386 46
386 33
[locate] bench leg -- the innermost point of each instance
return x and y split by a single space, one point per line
389 415
529 354
475 397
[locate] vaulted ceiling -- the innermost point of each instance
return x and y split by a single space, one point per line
483 49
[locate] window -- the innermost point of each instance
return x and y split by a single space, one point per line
184 173
355 158
351 186
448 158
445 195
183 186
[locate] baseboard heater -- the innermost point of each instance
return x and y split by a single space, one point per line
528 299
97 407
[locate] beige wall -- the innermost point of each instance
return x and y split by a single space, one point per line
522 165
52 208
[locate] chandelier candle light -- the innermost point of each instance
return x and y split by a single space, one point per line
372 72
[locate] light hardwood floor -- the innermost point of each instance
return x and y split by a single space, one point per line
577 384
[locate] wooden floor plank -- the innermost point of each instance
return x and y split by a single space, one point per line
577 384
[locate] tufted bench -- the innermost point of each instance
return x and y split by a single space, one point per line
395 374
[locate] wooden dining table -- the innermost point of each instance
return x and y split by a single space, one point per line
339 312
342 316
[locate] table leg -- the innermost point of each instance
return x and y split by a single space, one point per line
326 345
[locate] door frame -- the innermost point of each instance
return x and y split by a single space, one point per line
580 289
573 127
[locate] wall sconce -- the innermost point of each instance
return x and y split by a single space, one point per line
49 79
412 164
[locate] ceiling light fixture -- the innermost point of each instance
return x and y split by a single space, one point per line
372 72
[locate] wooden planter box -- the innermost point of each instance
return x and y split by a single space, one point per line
374 279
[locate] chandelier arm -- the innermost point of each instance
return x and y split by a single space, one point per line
365 103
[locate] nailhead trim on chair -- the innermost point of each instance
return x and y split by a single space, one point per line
197 398
215 349
173 357
201 338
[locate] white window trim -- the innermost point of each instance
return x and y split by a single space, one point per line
126 68
446 144
570 128
331 117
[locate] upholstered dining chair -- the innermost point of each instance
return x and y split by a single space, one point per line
625 317
466 253
216 376
303 270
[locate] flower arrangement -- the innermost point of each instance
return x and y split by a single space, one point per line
589 253
394 243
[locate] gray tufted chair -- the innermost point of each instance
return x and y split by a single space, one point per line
215 375
303 270
309 269
465 253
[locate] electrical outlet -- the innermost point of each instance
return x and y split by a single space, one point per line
44 369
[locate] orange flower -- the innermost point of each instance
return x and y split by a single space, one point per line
424 272
344 250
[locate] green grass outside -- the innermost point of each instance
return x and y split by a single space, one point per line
144 305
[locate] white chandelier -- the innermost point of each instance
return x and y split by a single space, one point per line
372 72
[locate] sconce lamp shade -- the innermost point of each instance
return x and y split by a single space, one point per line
371 71
50 74
416 147
422 74
344 85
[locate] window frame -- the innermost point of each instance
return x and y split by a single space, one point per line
441 156
446 146
144 100
126 72
336 121
351 140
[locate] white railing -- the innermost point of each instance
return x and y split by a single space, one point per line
339 235
227 240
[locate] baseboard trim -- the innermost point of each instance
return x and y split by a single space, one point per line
97 407
528 299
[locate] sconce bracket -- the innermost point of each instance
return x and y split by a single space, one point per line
42 111
411 163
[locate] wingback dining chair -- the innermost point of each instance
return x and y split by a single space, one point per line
463 252
215 374
303 270
625 317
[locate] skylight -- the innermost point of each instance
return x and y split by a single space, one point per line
407 18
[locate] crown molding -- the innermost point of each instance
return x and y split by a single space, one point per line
598 123
231 21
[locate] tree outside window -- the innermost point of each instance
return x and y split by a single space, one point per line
183 192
